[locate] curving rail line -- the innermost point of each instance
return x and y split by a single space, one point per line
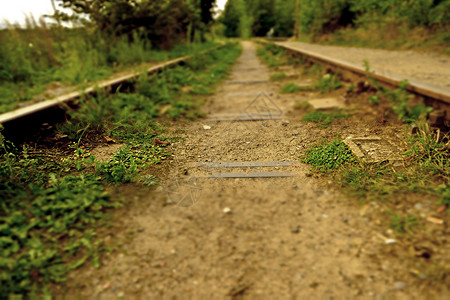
435 97
27 120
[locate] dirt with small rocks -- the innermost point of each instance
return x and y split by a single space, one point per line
289 237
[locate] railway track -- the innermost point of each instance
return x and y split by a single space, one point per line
21 122
435 97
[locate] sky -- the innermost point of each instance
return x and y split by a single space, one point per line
15 10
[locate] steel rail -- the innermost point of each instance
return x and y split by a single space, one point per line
109 84
433 96
92 90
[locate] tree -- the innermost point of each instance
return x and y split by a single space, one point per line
162 22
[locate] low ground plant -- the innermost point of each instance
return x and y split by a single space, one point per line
426 169
54 200
324 119
41 56
291 87
273 55
278 76
327 83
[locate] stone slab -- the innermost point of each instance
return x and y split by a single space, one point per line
326 103
373 149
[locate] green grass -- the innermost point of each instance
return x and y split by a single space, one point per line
278 76
402 102
54 201
327 157
32 59
291 87
327 83
426 169
323 119
273 55
403 224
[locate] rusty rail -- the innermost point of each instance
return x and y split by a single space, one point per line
435 97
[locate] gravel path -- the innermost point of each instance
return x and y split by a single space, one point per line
429 68
271 238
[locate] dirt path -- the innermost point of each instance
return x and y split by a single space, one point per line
429 68
286 237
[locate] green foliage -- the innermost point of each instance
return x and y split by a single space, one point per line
39 209
322 16
403 224
39 55
430 150
323 118
327 157
327 83
161 22
444 194
427 162
374 100
149 180
278 76
401 99
258 17
51 204
292 88
273 55
121 168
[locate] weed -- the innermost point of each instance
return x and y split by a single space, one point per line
278 76
149 180
374 99
121 168
41 209
273 55
292 88
323 118
430 150
327 83
40 54
350 87
327 157
50 206
444 194
403 224
302 105
400 99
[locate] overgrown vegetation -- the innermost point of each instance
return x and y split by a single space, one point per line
53 203
291 87
278 76
426 170
402 102
372 23
273 56
327 157
327 83
323 119
40 57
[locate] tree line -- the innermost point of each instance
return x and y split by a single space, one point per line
163 22
286 17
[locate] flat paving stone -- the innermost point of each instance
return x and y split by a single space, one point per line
373 149
326 103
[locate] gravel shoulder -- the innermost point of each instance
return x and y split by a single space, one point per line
430 68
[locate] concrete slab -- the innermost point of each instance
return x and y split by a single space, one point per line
373 149
326 103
